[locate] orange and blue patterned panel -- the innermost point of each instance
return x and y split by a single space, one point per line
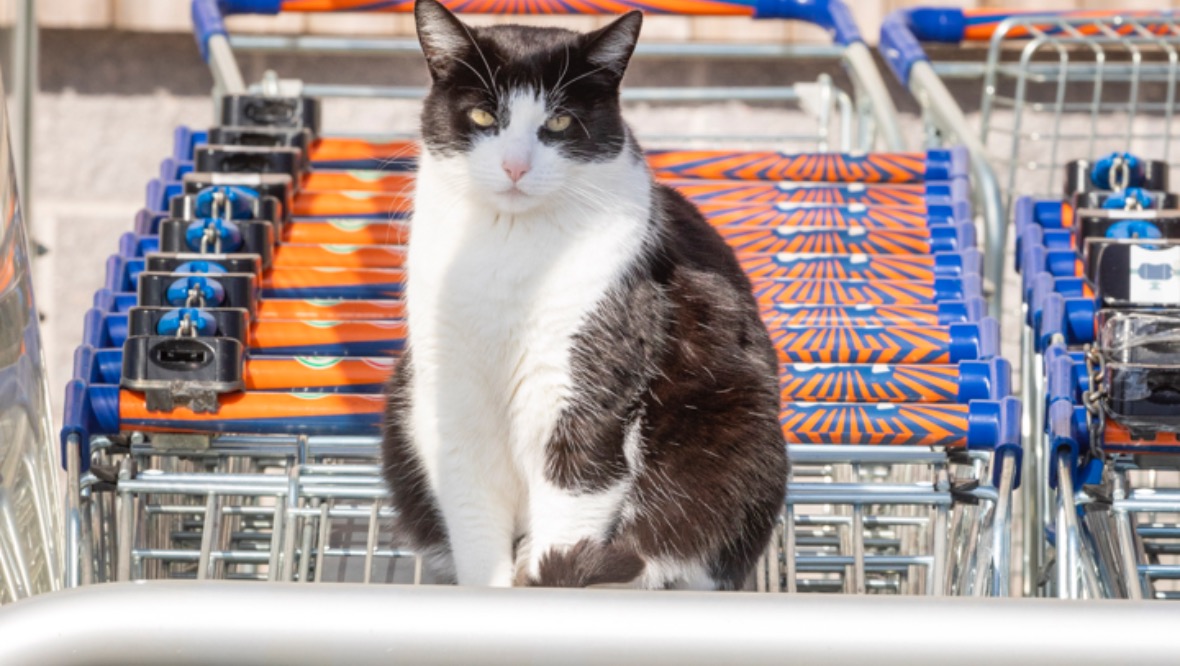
752 191
357 180
373 231
289 255
857 240
343 204
317 373
969 380
342 153
686 7
868 383
910 196
915 267
832 217
867 292
256 412
368 230
981 24
331 309
327 338
865 344
905 424
871 168
1118 438
251 412
891 168
333 283
910 316
346 231
812 167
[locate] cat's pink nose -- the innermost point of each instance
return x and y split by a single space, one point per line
515 169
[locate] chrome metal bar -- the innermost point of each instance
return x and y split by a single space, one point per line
227 78
184 623
867 78
1032 546
945 111
1078 580
1001 530
1126 538
76 560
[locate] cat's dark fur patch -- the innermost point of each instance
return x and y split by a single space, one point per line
588 563
682 347
418 519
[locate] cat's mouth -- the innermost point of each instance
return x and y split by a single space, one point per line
515 192
514 199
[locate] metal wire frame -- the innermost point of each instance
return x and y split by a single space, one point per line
1046 101
1076 89
900 520
1127 543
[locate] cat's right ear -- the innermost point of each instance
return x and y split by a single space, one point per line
444 38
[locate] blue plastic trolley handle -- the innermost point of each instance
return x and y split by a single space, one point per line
831 15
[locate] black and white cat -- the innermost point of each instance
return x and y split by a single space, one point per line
589 395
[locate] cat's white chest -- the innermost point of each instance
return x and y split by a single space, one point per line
495 305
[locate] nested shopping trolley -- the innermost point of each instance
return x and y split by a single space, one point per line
1101 271
1059 91
223 418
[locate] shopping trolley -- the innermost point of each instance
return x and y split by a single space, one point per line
1102 284
222 421
30 501
1056 87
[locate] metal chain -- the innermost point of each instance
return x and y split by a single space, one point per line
187 328
221 202
1094 399
210 237
1120 173
196 297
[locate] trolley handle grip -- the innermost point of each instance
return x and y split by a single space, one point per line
951 25
207 23
831 15
899 45
903 30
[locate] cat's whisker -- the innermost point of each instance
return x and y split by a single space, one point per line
479 51
579 78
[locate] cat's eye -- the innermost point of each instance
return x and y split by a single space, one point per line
481 117
558 123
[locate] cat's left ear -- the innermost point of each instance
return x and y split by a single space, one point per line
611 47
444 38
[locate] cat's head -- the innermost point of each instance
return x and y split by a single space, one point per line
523 111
